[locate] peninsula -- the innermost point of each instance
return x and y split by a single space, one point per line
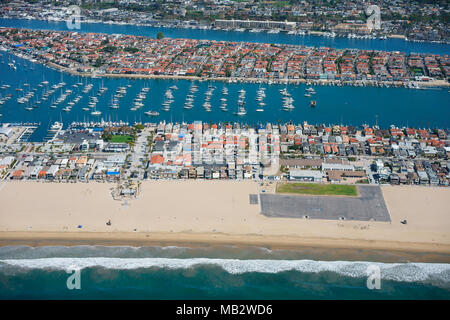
96 54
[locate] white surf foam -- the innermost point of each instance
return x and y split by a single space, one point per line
406 272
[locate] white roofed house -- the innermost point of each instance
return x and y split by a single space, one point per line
337 166
28 159
51 172
99 171
6 132
306 175
429 151
84 146
115 160
6 161
423 177
64 162
91 162
117 147
35 172
83 175
99 144
28 172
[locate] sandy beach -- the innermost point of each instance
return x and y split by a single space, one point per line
210 212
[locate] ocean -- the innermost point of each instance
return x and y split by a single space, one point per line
209 273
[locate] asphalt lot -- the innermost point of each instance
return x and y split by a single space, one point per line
369 205
253 198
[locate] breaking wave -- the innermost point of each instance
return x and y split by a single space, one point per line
404 272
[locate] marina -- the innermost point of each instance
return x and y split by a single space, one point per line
51 95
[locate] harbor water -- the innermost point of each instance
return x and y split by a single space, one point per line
392 44
345 105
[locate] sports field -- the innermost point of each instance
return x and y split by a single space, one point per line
121 138
317 189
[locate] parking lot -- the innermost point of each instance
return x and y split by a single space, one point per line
369 205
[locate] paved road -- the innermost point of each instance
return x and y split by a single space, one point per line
138 152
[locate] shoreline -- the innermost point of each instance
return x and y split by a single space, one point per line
412 252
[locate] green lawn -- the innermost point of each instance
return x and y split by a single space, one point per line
318 189
121 138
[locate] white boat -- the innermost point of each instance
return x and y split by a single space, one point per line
284 92
288 107
152 113
168 94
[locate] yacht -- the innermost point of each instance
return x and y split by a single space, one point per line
225 91
168 94
284 92
152 113
311 90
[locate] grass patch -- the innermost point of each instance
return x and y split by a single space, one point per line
318 189
121 138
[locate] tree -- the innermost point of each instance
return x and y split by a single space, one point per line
99 62
159 35
109 49
131 49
